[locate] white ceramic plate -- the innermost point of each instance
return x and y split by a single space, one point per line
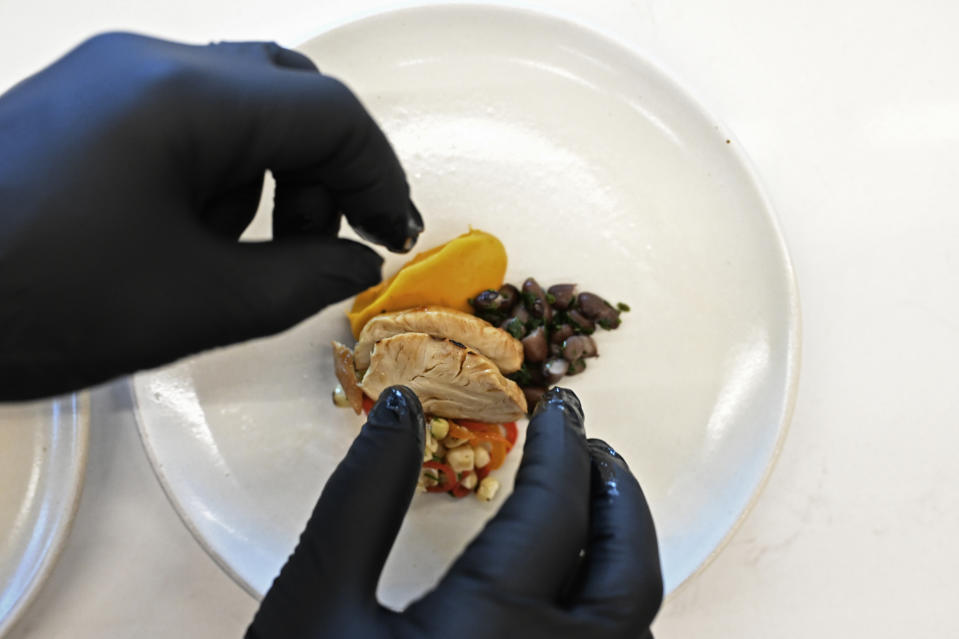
593 166
43 455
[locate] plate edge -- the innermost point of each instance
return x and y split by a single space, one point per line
164 483
81 423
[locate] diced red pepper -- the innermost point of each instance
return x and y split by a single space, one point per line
367 404
498 447
459 491
511 433
490 433
459 432
450 481
506 431
480 426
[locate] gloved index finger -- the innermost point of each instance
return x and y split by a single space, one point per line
621 579
531 548
264 51
334 569
312 131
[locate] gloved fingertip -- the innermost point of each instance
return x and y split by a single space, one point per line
398 407
401 237
609 468
290 59
600 449
564 400
415 224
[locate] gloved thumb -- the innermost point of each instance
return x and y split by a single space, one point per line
332 575
260 288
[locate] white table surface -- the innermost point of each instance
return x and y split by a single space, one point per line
850 110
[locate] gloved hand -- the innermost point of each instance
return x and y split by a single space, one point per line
523 576
129 168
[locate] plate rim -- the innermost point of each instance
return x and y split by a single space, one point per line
674 83
165 484
61 533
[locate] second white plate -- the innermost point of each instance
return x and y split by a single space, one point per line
43 456
592 166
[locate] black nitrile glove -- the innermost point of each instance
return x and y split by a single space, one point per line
129 168
523 576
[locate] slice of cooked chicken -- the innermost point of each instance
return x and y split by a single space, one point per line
346 374
450 379
505 350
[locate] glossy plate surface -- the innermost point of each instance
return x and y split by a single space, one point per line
592 166
43 454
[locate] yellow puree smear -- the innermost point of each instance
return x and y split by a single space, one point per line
443 276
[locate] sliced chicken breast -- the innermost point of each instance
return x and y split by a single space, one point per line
450 379
346 374
502 348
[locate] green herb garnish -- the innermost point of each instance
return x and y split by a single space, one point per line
515 328
522 376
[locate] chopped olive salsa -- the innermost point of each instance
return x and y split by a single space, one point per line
555 326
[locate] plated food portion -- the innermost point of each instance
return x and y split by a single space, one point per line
444 356
555 326
450 379
496 344
478 354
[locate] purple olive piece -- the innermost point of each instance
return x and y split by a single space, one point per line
535 299
609 321
520 313
533 395
590 304
582 323
577 367
578 347
510 295
599 310
561 333
535 347
596 308
487 300
562 295
554 369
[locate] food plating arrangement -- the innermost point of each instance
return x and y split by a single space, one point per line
478 353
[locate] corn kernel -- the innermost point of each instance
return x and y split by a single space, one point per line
439 427
487 489
460 459
339 397
480 456
469 481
